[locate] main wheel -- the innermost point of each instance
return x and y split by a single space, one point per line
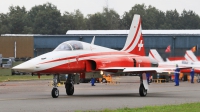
55 93
142 90
69 89
182 78
81 81
198 80
104 80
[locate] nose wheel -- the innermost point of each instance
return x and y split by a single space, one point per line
55 91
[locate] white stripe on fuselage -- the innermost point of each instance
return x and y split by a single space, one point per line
47 64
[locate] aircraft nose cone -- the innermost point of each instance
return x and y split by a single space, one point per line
24 67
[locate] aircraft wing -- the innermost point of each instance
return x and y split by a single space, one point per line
181 66
140 69
157 69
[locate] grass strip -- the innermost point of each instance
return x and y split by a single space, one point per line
23 77
186 107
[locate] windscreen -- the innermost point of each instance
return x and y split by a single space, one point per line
76 45
63 47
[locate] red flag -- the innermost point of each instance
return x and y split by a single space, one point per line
194 49
168 49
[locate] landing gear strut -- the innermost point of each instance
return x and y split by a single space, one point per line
55 91
142 90
69 85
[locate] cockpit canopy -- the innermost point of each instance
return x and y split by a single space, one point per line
69 46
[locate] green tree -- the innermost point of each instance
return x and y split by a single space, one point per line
109 19
4 24
153 18
189 20
128 16
45 19
17 19
112 19
96 21
172 20
73 21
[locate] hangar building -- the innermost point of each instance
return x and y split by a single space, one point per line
34 45
16 46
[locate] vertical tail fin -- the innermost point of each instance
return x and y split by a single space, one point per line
155 55
189 55
167 60
92 43
135 42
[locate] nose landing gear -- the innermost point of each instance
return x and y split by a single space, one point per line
55 91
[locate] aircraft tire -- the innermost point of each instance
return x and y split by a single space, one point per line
198 80
55 93
81 81
142 90
69 89
13 73
104 80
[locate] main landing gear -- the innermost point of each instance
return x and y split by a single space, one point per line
55 91
69 85
142 89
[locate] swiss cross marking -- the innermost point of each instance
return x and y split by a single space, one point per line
140 45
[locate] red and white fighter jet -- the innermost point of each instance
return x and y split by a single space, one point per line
72 57
184 65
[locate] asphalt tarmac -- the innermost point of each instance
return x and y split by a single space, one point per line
35 96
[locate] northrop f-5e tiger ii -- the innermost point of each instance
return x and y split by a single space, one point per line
72 57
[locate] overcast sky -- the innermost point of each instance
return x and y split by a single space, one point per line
93 6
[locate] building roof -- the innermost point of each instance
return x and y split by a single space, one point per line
20 34
117 32
183 32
